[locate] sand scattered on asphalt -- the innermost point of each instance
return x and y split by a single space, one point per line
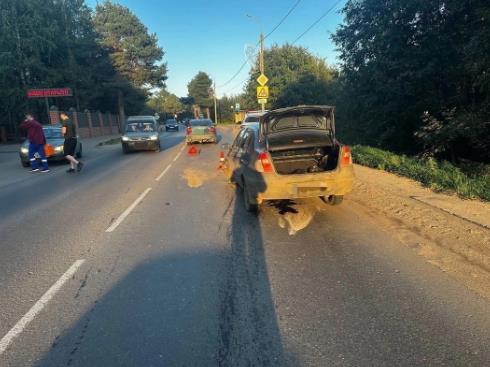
196 178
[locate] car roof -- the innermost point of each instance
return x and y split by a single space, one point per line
251 125
255 113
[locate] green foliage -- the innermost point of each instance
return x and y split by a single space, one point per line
226 107
468 181
403 61
290 68
53 43
134 52
200 90
165 102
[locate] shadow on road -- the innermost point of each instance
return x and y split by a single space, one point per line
202 306
249 331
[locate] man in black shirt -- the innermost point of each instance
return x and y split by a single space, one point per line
69 132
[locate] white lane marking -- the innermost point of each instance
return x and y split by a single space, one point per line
38 306
163 172
183 147
177 156
124 214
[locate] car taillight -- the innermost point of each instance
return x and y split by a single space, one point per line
265 163
189 130
212 129
345 156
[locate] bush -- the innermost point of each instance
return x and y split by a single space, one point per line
470 180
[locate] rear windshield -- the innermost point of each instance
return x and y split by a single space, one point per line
171 121
201 122
144 126
251 119
52 133
299 122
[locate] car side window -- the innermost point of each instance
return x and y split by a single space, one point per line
237 141
247 142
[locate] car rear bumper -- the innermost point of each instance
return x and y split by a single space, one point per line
201 138
276 187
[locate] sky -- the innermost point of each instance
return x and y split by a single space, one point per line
212 35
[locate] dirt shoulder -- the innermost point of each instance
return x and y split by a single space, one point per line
451 233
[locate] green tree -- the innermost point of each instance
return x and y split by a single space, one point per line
135 53
402 60
285 65
51 43
165 102
200 90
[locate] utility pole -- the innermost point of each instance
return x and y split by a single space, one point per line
261 61
215 108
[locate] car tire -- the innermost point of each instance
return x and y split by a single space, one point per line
125 150
333 199
79 154
249 206
24 164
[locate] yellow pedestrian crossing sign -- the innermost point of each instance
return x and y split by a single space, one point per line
262 79
263 92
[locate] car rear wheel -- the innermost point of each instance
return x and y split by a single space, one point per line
249 206
334 199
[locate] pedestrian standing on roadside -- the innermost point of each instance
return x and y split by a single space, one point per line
37 140
69 132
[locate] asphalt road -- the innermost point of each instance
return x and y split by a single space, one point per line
185 277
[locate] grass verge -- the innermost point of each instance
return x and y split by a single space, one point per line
468 180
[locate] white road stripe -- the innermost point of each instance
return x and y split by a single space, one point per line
163 172
119 220
38 306
177 156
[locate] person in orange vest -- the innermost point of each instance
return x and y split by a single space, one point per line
37 140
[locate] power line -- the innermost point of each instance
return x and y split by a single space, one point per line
316 21
283 19
267 35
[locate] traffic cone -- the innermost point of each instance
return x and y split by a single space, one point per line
221 160
192 150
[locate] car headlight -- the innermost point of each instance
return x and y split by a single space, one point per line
124 138
154 137
59 148
24 150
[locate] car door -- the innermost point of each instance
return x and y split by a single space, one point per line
230 161
243 156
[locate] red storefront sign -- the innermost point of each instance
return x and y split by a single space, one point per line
52 92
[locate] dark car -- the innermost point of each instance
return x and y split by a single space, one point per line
171 124
291 153
141 133
54 145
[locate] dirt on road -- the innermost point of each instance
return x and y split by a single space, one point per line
451 233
